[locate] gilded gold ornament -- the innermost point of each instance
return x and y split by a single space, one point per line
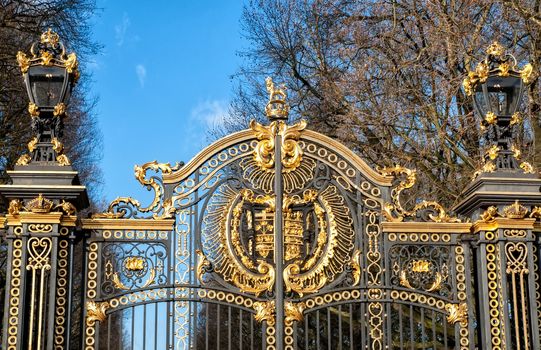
24 62
63 160
32 144
39 204
527 168
527 74
265 311
59 109
293 311
489 214
24 159
15 206
50 37
33 109
515 211
491 118
395 212
420 266
134 263
202 265
95 311
457 313
492 152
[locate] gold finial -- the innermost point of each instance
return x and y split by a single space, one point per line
495 49
277 108
50 37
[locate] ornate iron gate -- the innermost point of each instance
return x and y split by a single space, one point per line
275 237
225 269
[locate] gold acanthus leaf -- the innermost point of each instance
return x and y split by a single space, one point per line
294 311
203 264
457 313
95 311
356 265
265 311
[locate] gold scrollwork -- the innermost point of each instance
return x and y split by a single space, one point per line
293 311
356 265
265 311
96 311
141 176
457 313
394 212
291 150
40 228
203 264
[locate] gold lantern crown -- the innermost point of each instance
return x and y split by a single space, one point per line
277 107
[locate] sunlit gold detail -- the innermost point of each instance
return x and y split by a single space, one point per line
527 168
504 68
516 152
95 311
492 152
495 49
32 144
293 311
536 213
57 145
24 62
527 74
489 214
420 266
59 109
24 159
291 151
404 282
33 109
203 264
491 118
457 313
40 228
516 118
71 63
39 204
488 167
515 211
277 107
482 71
46 58
395 212
63 160
39 250
15 206
50 37
134 263
356 265
67 207
265 311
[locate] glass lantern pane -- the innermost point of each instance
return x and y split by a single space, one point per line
504 94
46 84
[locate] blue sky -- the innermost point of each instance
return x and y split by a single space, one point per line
162 78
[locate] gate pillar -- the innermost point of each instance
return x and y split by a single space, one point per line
44 198
504 202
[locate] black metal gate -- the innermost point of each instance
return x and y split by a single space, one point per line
215 265
275 237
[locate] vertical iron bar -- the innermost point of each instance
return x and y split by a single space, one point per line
251 331
218 326
207 306
340 327
350 326
132 326
400 326
156 326
423 328
109 332
240 329
306 322
278 243
433 319
144 326
329 337
229 327
317 328
412 336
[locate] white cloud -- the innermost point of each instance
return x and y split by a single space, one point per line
211 112
121 28
141 72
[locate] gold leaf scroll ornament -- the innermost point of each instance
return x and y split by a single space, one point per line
394 211
291 150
